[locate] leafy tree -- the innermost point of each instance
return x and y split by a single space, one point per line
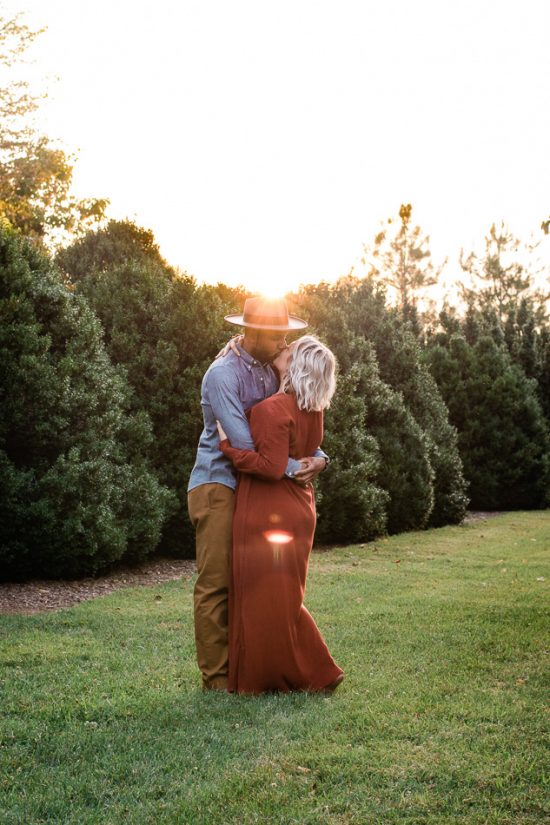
77 492
16 99
116 244
35 176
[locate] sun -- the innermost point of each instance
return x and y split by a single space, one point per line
272 287
271 294
271 280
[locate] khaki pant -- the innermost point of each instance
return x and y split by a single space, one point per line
211 513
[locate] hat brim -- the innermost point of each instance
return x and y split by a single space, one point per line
293 323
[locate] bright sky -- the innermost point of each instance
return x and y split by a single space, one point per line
262 142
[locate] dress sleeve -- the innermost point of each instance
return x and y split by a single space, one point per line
271 432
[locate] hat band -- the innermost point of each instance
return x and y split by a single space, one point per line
265 320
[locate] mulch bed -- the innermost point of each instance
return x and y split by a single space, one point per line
40 595
472 516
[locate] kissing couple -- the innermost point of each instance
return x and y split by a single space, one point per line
252 504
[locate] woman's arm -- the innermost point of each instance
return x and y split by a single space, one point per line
270 458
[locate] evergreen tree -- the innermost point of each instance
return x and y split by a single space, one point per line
351 506
502 276
400 258
77 492
528 352
404 471
360 304
164 330
544 373
503 438
521 335
401 367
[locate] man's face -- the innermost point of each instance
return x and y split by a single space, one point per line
282 360
268 344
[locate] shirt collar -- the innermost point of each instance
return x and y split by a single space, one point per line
248 359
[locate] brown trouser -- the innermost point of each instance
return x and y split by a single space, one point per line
211 513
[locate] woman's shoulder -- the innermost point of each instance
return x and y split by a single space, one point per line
280 402
286 403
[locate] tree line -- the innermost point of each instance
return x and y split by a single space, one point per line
103 346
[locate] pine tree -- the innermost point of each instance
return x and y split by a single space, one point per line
520 334
400 258
503 276
503 438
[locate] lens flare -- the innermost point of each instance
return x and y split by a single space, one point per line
278 536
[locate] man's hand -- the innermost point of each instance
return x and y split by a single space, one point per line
311 467
231 345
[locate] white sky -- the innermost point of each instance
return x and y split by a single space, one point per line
262 142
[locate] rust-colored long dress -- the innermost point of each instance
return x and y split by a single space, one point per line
274 643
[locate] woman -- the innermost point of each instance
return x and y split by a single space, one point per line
274 643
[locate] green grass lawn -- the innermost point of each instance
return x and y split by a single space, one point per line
443 636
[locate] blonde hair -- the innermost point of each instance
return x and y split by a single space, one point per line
311 374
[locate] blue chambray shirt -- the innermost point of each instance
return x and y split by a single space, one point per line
231 385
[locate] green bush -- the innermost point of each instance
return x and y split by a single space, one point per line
76 489
164 330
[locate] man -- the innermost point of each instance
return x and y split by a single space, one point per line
232 384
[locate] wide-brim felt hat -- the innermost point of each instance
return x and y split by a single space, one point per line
265 313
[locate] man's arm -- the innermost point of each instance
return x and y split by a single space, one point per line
223 395
311 467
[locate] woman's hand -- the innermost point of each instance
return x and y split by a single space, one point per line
231 345
221 431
